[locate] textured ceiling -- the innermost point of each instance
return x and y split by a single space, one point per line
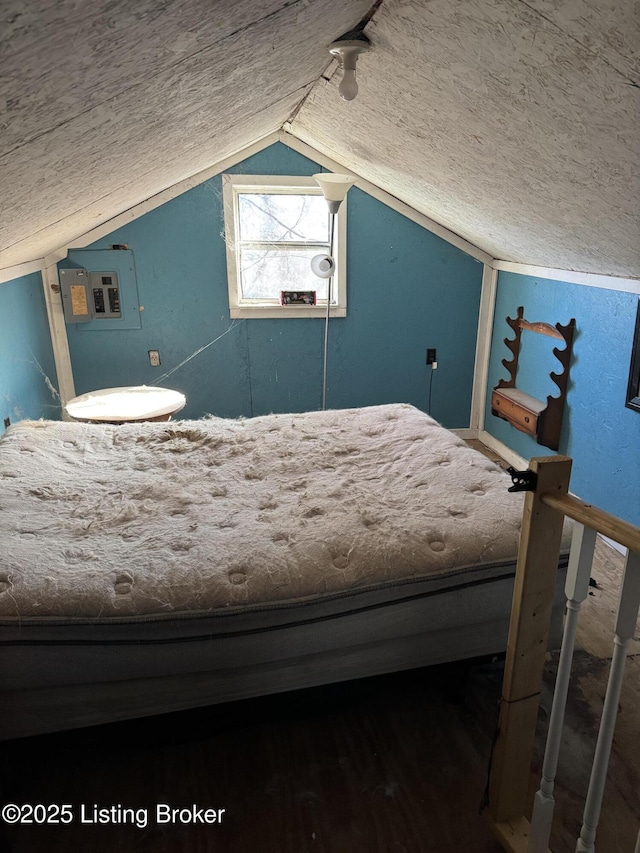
515 124
104 104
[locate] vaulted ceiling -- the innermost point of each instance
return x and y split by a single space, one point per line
514 123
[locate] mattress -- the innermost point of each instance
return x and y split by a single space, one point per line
145 520
152 567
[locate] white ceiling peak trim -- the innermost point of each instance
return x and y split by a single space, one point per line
290 139
19 270
255 147
588 279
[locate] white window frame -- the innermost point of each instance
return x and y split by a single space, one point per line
232 186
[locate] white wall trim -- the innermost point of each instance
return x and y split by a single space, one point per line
260 144
17 271
502 450
163 197
483 346
374 191
466 433
54 257
58 331
589 279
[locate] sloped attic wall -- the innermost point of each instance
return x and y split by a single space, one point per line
27 371
104 104
513 124
407 289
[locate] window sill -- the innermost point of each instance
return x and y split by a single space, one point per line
287 312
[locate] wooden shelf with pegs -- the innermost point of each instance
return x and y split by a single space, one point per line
539 419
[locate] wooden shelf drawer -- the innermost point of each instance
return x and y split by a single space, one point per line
518 408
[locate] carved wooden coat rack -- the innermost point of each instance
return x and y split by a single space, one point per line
541 420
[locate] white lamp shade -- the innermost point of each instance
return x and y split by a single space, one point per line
334 187
323 266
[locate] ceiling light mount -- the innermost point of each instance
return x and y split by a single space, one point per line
348 50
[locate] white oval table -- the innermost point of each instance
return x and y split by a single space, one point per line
127 404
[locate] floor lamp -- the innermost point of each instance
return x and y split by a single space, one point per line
334 189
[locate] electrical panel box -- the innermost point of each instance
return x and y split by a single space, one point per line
99 289
89 295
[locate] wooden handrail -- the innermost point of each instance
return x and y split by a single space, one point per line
597 519
534 585
543 515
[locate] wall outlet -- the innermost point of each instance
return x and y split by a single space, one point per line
154 357
431 355
7 422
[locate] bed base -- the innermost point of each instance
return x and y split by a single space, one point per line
445 635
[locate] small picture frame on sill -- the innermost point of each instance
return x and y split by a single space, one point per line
633 389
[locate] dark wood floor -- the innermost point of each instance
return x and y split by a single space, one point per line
395 764
371 766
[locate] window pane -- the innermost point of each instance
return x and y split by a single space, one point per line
265 273
283 217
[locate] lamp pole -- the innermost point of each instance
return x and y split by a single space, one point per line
334 188
332 224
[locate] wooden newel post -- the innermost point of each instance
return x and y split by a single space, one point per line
526 649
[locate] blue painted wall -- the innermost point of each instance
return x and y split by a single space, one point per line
25 353
598 432
407 289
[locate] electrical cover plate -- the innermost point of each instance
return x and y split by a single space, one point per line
121 262
74 284
105 292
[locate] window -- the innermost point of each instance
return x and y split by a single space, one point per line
273 227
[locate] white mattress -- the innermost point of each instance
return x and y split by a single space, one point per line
190 516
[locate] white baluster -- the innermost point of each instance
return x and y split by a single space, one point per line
625 626
576 590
